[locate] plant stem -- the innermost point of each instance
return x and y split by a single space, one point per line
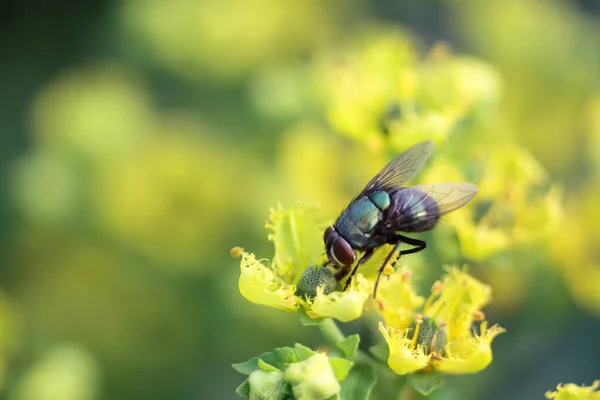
333 335
330 331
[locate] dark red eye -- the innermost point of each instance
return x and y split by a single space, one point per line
342 252
327 233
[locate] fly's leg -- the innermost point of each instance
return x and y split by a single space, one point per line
387 259
342 273
362 260
418 246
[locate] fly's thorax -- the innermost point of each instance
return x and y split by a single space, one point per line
381 199
361 217
413 211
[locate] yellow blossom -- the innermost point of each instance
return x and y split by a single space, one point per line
440 337
296 278
469 354
404 357
397 300
357 85
570 391
344 306
461 296
260 284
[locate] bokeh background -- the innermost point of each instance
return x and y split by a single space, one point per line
140 141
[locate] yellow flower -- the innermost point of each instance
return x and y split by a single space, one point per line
295 279
260 284
405 357
576 254
360 83
570 391
440 337
468 354
459 298
526 212
379 90
344 306
397 300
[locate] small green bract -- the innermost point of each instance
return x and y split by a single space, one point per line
313 277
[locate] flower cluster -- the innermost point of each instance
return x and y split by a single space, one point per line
295 280
379 92
436 335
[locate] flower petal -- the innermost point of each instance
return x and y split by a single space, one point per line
460 297
297 237
261 285
403 359
570 391
343 306
397 301
470 356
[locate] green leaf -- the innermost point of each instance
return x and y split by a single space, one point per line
425 382
244 389
279 358
341 367
381 351
303 352
349 345
285 390
305 320
359 383
267 367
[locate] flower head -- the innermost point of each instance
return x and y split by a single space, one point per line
295 279
570 391
438 335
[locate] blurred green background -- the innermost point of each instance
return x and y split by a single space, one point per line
140 141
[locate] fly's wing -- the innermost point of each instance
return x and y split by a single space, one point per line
446 197
401 168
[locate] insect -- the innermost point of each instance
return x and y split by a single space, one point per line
386 208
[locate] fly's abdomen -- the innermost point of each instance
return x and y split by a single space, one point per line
413 211
358 221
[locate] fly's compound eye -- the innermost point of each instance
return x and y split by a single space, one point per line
341 252
327 233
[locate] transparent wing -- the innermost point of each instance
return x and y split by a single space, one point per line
446 197
401 168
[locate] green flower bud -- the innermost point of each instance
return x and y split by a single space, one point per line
266 385
313 378
431 335
313 277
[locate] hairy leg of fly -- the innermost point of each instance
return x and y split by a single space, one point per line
419 245
363 259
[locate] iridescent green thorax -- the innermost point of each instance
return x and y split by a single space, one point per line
360 218
381 199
